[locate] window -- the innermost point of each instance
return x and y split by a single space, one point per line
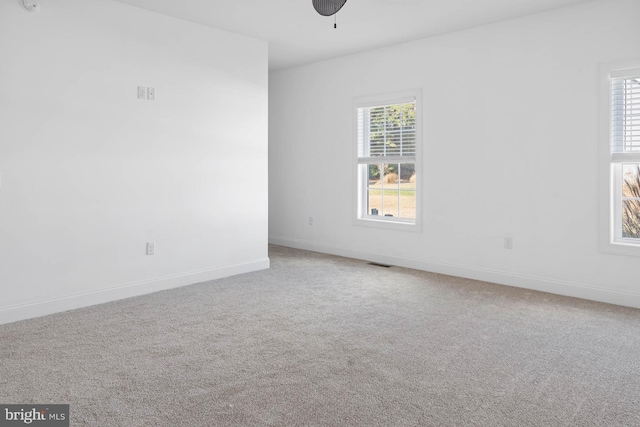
622 177
387 161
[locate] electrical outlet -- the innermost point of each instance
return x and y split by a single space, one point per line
151 93
310 220
142 92
508 242
151 248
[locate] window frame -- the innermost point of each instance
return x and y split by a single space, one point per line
360 216
611 164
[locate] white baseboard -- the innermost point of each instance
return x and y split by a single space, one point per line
70 302
627 299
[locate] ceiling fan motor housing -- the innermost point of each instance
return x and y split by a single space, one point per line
328 7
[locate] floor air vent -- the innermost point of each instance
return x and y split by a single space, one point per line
377 264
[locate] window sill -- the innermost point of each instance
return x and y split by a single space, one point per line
388 225
621 248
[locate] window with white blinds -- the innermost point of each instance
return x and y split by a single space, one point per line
387 161
387 131
621 187
625 112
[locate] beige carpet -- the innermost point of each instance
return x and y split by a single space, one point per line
319 340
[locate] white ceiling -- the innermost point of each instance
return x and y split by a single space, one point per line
298 35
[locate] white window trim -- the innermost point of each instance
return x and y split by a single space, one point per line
610 167
359 198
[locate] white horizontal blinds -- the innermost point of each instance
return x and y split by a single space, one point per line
387 131
625 114
363 134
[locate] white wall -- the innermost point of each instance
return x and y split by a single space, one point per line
90 173
510 147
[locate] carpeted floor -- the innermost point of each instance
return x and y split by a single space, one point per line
319 340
